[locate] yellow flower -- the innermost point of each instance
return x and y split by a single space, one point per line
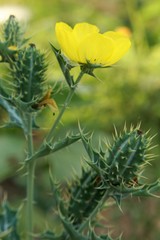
85 44
13 48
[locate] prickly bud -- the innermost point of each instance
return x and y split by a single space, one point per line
85 196
127 157
122 162
29 74
13 34
12 40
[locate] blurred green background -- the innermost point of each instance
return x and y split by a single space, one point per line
129 92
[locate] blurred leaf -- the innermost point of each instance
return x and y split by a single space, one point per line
15 119
50 235
5 233
8 223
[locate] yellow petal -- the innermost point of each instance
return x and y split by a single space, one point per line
66 40
95 49
122 44
82 30
13 48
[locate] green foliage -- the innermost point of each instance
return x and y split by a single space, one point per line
114 172
71 231
8 223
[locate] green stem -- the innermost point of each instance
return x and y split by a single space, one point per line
67 102
30 180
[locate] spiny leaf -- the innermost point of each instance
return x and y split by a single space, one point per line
102 237
72 232
64 65
148 190
97 157
51 236
57 192
8 223
14 115
62 143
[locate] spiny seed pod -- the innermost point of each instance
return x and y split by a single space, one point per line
127 157
12 32
85 196
28 72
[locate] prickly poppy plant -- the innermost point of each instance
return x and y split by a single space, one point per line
111 171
